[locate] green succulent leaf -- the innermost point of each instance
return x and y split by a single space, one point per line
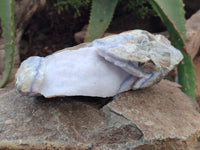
187 76
101 15
7 23
172 14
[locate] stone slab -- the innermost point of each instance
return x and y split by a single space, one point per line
160 117
163 113
67 122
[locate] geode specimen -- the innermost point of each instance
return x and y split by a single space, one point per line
107 66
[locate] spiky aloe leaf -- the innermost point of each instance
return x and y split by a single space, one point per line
187 76
172 14
101 14
7 23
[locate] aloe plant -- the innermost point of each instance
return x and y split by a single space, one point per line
7 23
100 18
172 14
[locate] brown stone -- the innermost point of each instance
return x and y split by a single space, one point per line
193 34
167 118
65 123
197 71
79 37
160 117
2 54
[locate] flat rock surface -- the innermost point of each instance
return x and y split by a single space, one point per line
71 122
161 112
160 117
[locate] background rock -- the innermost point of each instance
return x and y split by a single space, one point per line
193 34
160 117
2 53
80 36
197 71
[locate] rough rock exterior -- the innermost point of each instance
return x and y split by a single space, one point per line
160 117
107 66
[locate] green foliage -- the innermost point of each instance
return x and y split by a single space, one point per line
172 14
63 5
101 16
102 13
7 23
187 76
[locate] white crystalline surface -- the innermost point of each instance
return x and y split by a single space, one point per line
103 68
146 56
78 76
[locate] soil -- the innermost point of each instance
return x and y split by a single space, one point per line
49 31
191 6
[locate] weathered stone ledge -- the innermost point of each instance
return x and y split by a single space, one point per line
159 117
